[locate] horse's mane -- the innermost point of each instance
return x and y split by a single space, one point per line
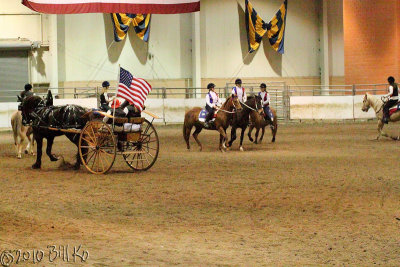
226 101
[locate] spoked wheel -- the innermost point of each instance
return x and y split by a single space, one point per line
97 147
142 154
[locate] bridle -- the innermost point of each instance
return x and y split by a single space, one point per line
32 114
226 111
256 104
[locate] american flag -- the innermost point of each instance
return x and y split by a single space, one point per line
132 89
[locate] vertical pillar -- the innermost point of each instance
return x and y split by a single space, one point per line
196 55
325 50
53 53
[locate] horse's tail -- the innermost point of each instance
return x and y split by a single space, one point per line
186 131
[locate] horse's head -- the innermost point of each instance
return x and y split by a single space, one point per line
366 103
28 106
236 103
258 104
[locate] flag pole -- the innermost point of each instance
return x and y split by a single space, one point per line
115 97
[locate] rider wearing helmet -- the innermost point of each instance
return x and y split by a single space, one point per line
393 97
27 91
239 91
212 102
104 99
265 100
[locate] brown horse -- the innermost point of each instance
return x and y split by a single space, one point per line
258 122
221 123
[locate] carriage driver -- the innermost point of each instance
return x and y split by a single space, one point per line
104 99
393 97
212 102
238 91
265 100
27 91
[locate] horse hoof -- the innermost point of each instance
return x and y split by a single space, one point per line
241 149
19 157
36 166
77 167
273 140
26 152
54 158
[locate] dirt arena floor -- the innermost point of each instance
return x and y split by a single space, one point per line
323 194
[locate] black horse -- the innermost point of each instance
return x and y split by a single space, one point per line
242 118
43 115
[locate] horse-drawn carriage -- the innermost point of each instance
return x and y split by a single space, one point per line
136 140
99 141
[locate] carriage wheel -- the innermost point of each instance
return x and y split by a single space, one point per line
142 155
97 147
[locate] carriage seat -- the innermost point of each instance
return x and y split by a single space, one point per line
125 125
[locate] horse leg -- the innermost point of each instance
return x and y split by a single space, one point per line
256 136
274 130
16 144
195 134
50 141
249 133
233 136
241 139
29 132
20 142
186 135
222 139
380 126
38 163
262 134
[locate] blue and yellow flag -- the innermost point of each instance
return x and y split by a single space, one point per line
121 22
276 29
256 28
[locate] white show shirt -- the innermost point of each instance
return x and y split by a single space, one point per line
390 94
240 93
212 99
265 99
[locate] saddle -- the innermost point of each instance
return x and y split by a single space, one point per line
203 115
394 109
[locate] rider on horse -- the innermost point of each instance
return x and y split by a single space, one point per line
239 91
212 102
27 92
265 100
393 97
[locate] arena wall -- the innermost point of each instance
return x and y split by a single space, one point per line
328 108
86 55
173 110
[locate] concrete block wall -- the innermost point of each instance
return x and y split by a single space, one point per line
371 40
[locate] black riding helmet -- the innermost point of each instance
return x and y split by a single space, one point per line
263 85
390 79
210 85
28 87
105 84
238 81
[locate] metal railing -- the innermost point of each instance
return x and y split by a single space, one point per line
280 93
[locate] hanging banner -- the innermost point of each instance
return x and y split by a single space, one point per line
113 6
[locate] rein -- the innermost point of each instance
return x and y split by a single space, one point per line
226 111
231 112
249 107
